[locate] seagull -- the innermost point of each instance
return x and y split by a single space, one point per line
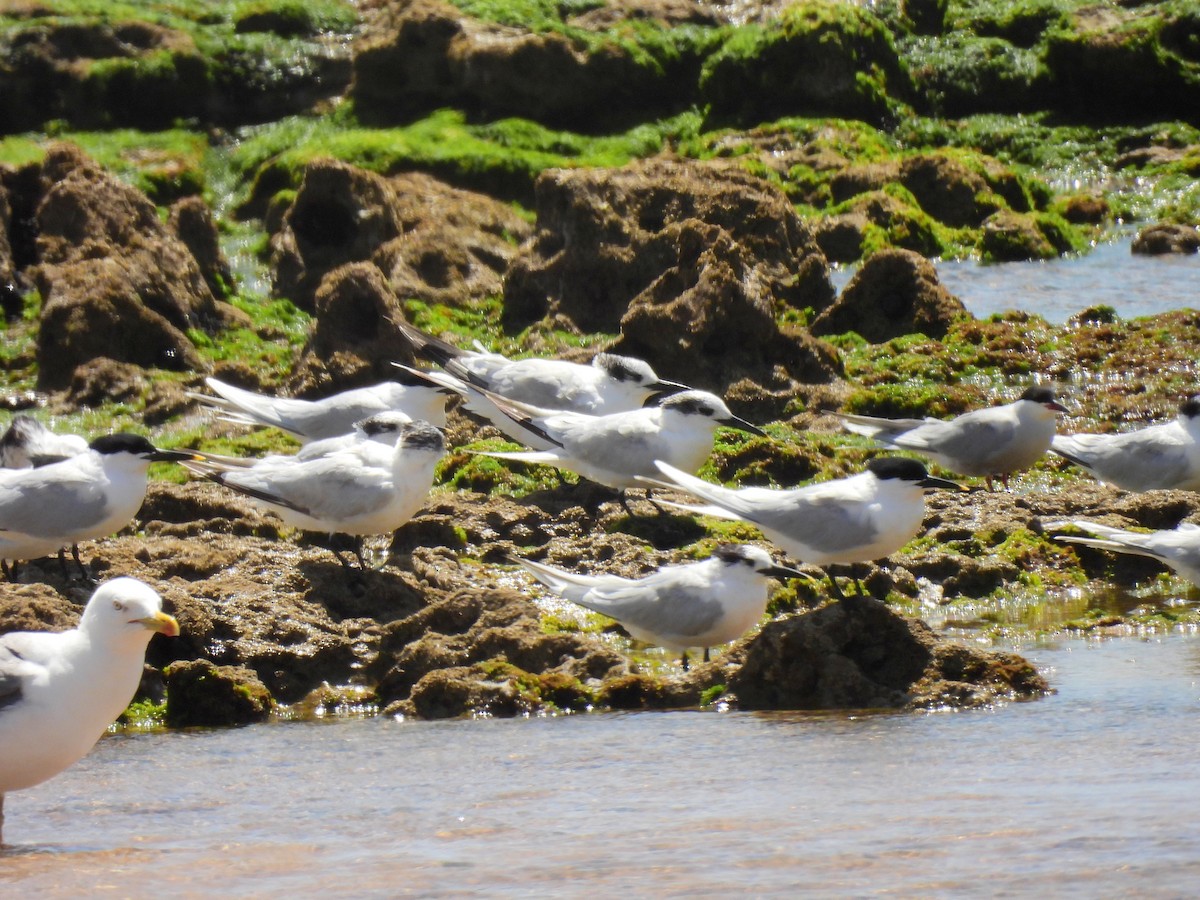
616 449
27 444
987 442
1178 548
60 691
698 604
1161 457
857 519
610 384
309 420
368 488
81 498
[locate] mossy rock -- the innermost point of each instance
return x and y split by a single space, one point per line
202 693
816 58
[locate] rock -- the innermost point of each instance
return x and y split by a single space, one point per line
202 694
353 342
895 292
692 262
341 214
809 60
1164 238
1010 237
432 242
115 282
859 654
104 380
11 301
191 221
456 245
422 55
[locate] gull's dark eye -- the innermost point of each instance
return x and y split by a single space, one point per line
118 606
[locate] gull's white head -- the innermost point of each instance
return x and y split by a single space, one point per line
125 609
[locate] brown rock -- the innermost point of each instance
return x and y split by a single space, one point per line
114 280
860 654
694 263
202 694
192 222
432 241
1156 240
895 292
353 342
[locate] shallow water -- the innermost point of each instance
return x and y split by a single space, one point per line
1109 275
1089 792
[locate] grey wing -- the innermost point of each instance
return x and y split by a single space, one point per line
330 487
828 525
48 506
668 609
975 440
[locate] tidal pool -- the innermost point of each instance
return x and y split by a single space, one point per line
1088 792
1110 275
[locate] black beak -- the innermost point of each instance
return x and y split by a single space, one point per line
667 388
742 424
783 573
931 482
173 456
1056 406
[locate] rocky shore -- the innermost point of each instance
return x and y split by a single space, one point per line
708 254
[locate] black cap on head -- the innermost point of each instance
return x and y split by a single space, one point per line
733 553
421 436
625 368
1039 393
902 467
1190 407
123 443
382 423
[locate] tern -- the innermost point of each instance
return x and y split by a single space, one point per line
367 488
1178 548
698 604
60 691
619 448
308 420
81 498
610 384
27 443
864 517
1161 457
999 440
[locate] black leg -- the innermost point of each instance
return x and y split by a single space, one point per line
83 572
358 552
706 658
683 661
837 591
9 573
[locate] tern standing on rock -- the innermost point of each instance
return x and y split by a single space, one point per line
60 691
367 488
999 440
850 520
699 604
618 449
1161 457
82 498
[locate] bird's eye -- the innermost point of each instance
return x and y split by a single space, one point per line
118 606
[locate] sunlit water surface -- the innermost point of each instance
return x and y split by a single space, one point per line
1109 275
1089 792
